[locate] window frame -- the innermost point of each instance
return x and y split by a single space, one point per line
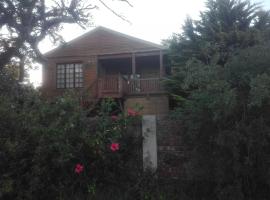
77 81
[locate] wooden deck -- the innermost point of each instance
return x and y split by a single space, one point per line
117 87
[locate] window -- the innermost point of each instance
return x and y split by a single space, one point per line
69 75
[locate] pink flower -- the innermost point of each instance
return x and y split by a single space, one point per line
114 117
78 168
132 112
115 146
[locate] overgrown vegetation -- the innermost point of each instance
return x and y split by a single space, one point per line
52 150
221 83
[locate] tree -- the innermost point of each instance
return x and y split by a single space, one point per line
221 81
225 26
24 23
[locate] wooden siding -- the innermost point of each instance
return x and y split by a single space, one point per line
49 74
101 41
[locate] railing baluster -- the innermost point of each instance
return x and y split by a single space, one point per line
114 85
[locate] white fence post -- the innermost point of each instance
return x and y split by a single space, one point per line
149 142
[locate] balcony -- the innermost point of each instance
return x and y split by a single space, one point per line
118 87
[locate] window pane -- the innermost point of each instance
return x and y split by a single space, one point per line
78 67
77 75
60 67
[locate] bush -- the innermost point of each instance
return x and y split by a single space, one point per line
225 117
52 150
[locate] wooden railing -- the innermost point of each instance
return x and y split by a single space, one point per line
116 86
144 86
110 86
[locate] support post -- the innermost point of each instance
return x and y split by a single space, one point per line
161 68
133 64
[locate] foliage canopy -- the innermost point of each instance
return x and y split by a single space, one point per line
221 81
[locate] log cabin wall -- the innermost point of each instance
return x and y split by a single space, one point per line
49 88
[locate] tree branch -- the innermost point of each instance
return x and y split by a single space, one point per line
114 12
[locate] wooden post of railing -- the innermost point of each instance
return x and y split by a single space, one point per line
120 85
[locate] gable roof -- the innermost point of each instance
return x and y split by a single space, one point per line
102 41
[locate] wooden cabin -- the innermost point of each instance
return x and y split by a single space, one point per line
105 63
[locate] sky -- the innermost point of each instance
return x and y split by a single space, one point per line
151 20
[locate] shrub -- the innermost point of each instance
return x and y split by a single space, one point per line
52 150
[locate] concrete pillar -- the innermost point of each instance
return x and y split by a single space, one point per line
149 142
